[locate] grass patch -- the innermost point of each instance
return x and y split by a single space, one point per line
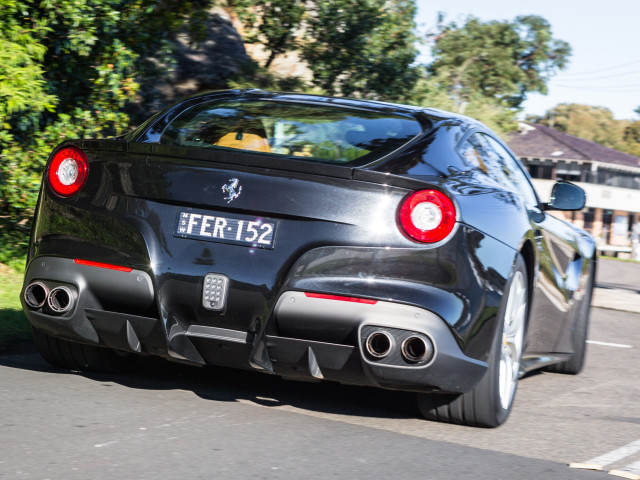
14 326
627 260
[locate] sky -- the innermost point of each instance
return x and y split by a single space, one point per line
604 69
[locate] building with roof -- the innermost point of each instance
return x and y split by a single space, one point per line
610 178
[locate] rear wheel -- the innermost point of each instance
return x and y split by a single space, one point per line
488 404
77 356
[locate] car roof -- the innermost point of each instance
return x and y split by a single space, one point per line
434 114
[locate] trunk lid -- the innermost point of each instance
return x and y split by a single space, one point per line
208 194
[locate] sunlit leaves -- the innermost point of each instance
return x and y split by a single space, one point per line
498 59
596 124
70 69
363 48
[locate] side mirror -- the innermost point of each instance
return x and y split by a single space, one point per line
566 196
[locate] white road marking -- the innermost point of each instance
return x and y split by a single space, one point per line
616 455
633 469
630 472
625 474
606 344
99 445
585 466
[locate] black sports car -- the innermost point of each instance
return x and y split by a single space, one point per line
314 238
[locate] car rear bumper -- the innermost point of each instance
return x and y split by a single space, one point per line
291 344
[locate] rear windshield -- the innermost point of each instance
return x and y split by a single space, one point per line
311 132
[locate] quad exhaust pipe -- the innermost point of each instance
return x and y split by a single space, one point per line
417 348
36 294
379 344
59 299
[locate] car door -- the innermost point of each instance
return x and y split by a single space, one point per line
556 259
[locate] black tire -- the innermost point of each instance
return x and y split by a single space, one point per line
482 405
575 364
77 356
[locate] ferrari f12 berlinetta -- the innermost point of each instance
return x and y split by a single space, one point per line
313 238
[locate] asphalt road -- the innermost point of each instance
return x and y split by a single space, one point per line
164 420
618 275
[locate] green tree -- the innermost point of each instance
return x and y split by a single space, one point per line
632 137
272 23
22 84
585 121
68 68
431 91
499 60
596 124
362 48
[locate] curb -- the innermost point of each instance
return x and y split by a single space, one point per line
616 299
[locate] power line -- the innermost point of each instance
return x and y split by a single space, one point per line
604 69
615 75
634 87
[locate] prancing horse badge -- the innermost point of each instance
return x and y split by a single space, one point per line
232 189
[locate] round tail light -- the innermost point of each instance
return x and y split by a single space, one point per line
427 216
68 171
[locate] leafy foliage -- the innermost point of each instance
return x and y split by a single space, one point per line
90 68
596 124
22 85
498 60
632 139
68 68
252 75
14 326
273 23
432 92
362 48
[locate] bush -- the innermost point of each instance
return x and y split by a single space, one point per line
69 69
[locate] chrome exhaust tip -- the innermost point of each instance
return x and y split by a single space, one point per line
416 349
60 300
379 344
35 295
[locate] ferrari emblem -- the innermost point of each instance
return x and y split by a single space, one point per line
232 189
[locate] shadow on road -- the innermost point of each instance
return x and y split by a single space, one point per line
617 286
15 332
613 274
230 385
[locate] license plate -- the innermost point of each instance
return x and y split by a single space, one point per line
236 229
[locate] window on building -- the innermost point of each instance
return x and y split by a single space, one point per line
616 178
588 216
541 171
571 172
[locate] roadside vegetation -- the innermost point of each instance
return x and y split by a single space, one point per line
95 68
626 260
596 124
13 323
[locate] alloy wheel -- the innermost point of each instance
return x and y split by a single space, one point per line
512 339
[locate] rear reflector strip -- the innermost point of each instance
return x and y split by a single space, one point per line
102 265
340 298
